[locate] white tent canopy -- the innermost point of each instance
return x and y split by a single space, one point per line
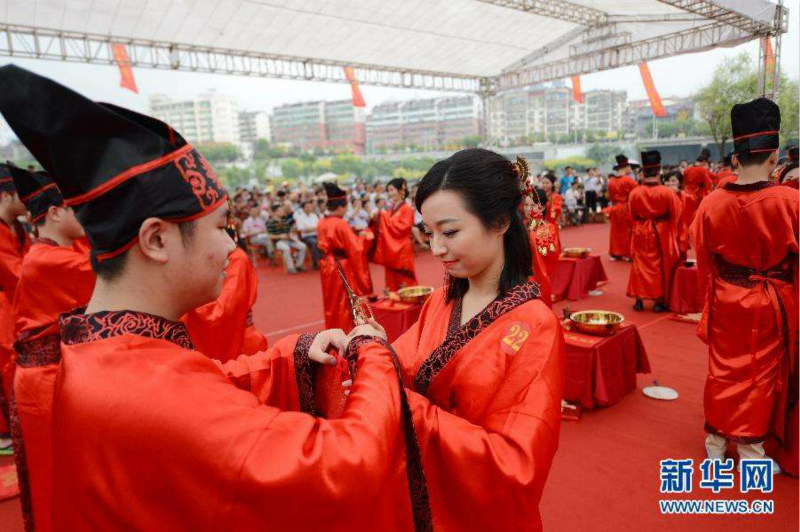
442 44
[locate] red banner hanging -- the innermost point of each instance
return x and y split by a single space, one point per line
127 80
358 99
577 95
652 93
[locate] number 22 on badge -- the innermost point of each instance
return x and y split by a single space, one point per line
516 335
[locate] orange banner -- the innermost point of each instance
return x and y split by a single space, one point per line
358 99
769 56
127 80
652 93
577 95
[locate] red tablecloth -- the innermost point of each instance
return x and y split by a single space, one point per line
574 278
684 295
601 370
395 316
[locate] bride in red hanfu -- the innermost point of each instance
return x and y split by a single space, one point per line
484 364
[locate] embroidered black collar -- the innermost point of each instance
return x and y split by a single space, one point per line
458 337
78 328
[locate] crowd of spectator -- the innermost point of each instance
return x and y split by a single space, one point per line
285 219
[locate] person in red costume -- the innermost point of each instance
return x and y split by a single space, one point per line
54 278
726 174
655 213
552 213
698 181
619 188
789 175
542 243
341 249
394 248
674 181
137 410
484 364
14 244
746 237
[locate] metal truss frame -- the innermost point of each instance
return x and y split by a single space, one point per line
603 46
692 40
558 9
38 43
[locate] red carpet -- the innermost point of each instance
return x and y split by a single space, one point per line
605 476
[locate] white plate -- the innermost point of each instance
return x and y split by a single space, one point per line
661 392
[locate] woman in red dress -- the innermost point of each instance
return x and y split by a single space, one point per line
553 209
394 248
484 364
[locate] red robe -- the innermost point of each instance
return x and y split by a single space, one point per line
338 243
555 204
540 274
194 444
224 328
14 243
394 248
726 175
683 226
486 401
619 241
747 245
54 279
697 184
655 212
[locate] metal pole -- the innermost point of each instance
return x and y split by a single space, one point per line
762 68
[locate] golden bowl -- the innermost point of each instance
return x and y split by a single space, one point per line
576 253
415 294
597 322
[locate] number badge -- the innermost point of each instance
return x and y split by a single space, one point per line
517 333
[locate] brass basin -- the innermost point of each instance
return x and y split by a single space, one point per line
597 322
415 294
576 253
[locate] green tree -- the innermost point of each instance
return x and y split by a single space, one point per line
736 81
293 168
218 152
602 153
346 164
471 141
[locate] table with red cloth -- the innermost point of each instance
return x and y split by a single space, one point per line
600 370
685 296
574 278
395 316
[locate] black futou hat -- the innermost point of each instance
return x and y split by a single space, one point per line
705 155
37 191
755 126
622 161
333 191
115 166
651 162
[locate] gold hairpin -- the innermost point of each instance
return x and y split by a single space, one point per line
522 169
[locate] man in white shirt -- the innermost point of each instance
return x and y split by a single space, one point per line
592 185
571 198
306 220
254 231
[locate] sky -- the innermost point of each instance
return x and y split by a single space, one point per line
675 76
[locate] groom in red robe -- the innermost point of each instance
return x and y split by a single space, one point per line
746 236
655 212
148 433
